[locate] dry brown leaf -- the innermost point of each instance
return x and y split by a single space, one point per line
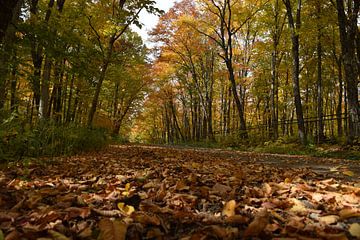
267 189
298 206
145 219
154 233
333 236
74 212
14 235
181 185
161 193
349 213
220 189
58 236
229 208
222 232
258 225
237 219
112 230
107 213
86 233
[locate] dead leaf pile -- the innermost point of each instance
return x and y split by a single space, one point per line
138 192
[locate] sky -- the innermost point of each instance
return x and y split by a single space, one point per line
150 20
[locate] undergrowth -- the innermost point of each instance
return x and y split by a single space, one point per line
18 139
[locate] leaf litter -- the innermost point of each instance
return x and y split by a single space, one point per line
139 192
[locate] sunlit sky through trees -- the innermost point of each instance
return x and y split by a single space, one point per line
150 20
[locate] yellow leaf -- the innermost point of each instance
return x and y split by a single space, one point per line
349 173
229 209
127 187
126 209
125 193
354 230
129 209
121 205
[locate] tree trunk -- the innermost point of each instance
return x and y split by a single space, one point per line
8 9
104 67
295 27
348 28
44 99
239 107
340 99
9 13
320 134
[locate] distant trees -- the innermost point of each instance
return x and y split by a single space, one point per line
260 47
222 70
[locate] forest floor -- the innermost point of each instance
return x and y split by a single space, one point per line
151 192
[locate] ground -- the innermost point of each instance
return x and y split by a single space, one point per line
151 192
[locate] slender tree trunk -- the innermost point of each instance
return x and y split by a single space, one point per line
340 101
44 99
320 135
68 111
239 106
13 85
295 27
103 70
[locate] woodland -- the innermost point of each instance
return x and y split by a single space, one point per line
240 119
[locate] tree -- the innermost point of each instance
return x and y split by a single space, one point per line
223 35
349 33
122 15
294 25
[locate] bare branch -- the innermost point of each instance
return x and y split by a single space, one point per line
97 35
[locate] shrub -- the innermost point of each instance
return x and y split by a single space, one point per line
46 138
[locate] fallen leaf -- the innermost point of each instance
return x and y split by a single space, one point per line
330 219
58 236
267 189
126 209
354 230
229 209
349 173
220 189
146 219
298 206
107 213
112 230
237 219
258 225
349 213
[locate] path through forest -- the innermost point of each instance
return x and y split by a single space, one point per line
151 192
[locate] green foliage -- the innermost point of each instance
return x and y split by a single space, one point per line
18 139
